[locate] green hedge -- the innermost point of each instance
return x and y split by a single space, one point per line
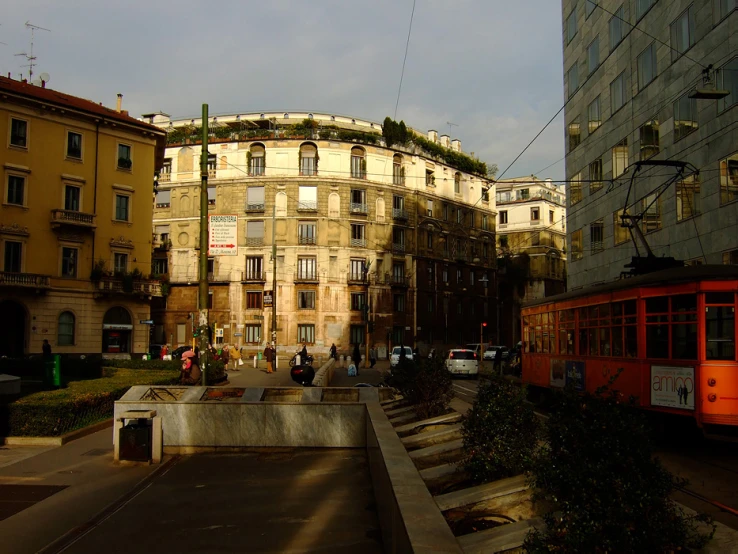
82 403
216 370
72 367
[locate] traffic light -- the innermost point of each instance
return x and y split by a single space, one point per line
484 324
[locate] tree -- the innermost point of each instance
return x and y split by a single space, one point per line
492 171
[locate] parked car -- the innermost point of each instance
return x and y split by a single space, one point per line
462 361
474 347
492 351
395 355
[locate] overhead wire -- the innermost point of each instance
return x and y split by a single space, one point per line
407 46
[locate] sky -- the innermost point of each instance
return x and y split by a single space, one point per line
490 68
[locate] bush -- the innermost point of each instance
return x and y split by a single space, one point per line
500 432
611 495
216 370
72 367
426 384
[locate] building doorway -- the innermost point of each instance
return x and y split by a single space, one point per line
117 329
12 329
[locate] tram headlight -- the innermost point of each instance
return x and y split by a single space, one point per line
711 381
712 397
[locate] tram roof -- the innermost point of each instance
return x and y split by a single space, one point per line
667 276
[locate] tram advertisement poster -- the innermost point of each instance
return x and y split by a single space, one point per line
672 387
558 373
575 375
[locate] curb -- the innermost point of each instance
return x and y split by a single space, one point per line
60 440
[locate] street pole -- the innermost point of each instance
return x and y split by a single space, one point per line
203 281
366 312
274 276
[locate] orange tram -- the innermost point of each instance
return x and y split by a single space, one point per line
672 332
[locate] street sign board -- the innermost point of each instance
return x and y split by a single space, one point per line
237 334
268 298
219 332
146 321
223 239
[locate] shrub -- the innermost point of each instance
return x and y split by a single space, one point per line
426 384
500 432
611 495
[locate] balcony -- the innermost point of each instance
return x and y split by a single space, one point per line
72 218
398 247
24 280
163 245
356 279
254 207
307 206
358 243
397 280
254 241
359 208
306 277
399 213
306 240
253 277
165 177
125 285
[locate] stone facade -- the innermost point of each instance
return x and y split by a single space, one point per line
643 83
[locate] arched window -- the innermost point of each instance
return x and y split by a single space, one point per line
65 329
398 173
257 163
358 163
457 182
308 159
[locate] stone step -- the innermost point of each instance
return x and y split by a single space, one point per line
437 472
499 539
436 449
398 411
481 493
395 400
450 432
403 418
455 416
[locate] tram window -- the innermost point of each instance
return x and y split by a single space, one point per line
629 306
604 341
684 342
592 339
604 310
659 304
719 298
631 341
684 303
617 341
720 332
582 342
657 341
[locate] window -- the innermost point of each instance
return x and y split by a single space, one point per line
576 245
124 156
18 133
678 328
649 139
593 55
730 257
120 263
358 201
308 160
522 194
429 207
642 6
445 212
252 333
160 266
211 196
254 233
595 175
212 164
398 272
430 177
306 299
589 7
721 9
720 325
163 199
651 206
399 303
13 256
620 233
307 268
357 270
572 79
358 301
255 199
398 172
357 334
65 329
69 262
550 216
71 198
575 189
122 207
457 183
616 28
429 239
619 158
306 231
458 276
358 235
594 115
358 163
682 33
575 134
685 117
646 66
727 79
254 268
596 236
459 216
306 333
617 93
308 198
571 26
729 179
74 145
398 239
258 160
254 300
16 190
535 214
485 223
688 197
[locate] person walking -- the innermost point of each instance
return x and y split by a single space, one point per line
269 357
333 351
356 357
163 352
46 349
372 356
235 355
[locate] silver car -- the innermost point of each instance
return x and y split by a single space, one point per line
395 355
462 361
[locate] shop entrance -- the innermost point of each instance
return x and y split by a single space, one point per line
117 329
12 329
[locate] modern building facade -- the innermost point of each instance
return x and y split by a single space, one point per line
633 75
75 223
393 241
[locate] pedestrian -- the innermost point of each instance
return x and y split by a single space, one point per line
235 355
190 374
269 357
356 357
226 356
164 351
372 356
304 354
333 351
46 349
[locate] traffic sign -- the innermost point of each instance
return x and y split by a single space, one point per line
146 321
223 235
237 334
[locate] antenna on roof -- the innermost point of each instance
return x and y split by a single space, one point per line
449 126
30 57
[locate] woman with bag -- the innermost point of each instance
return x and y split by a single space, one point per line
236 357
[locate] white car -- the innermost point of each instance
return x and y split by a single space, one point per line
395 355
462 361
491 352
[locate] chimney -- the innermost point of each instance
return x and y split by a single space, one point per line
120 102
446 141
456 145
433 136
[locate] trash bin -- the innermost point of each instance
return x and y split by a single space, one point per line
260 356
52 371
135 441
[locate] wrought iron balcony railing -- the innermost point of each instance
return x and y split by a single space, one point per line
254 207
358 243
359 208
119 285
306 240
306 277
253 276
254 241
399 213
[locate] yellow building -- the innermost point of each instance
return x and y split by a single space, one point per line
75 223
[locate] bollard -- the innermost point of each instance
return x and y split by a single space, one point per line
276 362
342 360
255 362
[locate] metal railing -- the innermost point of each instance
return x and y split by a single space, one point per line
73 217
356 278
254 241
253 276
307 205
165 177
397 280
358 242
398 247
116 285
254 207
8 278
306 277
306 240
399 213
359 208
